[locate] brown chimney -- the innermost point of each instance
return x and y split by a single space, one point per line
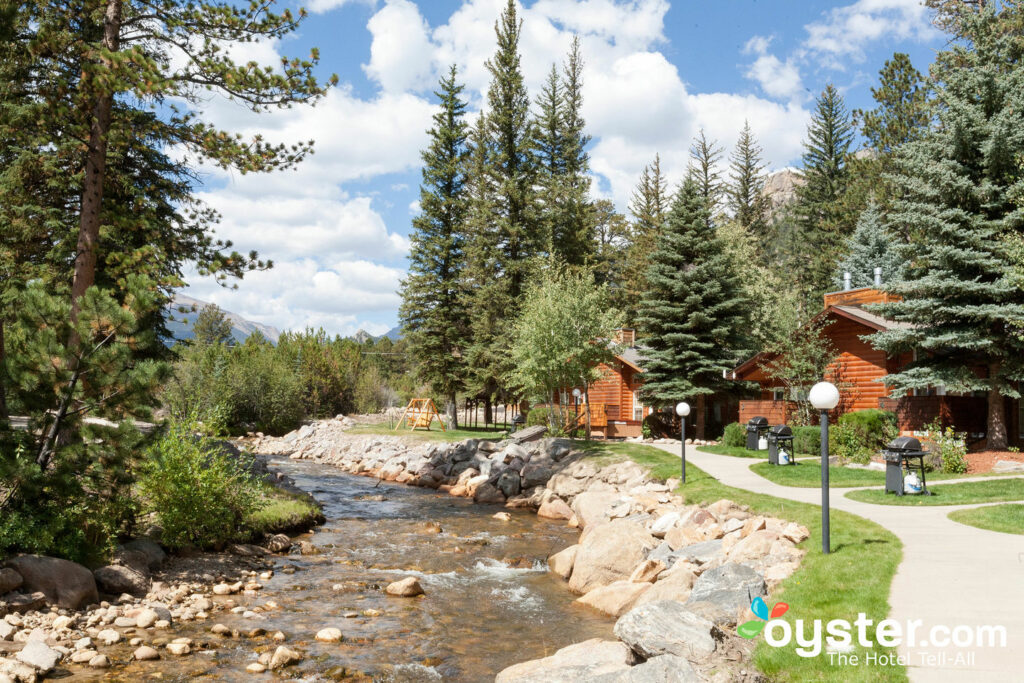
625 337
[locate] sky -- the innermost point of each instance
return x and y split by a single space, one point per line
656 72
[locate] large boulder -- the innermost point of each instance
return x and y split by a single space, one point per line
591 507
556 449
561 562
63 582
149 549
676 584
576 663
666 627
722 593
488 493
555 508
116 579
537 472
39 656
662 669
609 552
615 598
509 483
9 580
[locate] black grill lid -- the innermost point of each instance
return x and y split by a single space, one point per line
781 430
758 422
904 443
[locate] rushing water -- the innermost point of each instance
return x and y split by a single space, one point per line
489 602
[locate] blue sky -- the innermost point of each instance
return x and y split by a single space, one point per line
656 73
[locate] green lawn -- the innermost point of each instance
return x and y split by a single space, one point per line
734 451
950 494
1008 519
854 578
808 475
282 511
434 434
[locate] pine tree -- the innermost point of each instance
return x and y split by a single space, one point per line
648 206
745 194
871 246
705 156
902 114
549 148
507 212
822 225
211 326
693 313
433 312
957 192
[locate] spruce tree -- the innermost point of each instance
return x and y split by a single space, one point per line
902 113
211 326
821 222
549 148
958 198
870 246
693 313
705 156
745 193
648 206
510 222
433 312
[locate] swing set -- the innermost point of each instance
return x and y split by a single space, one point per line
419 414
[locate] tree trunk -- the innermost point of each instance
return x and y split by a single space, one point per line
996 437
586 402
701 418
95 171
452 410
488 415
3 377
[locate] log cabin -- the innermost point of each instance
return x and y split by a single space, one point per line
860 370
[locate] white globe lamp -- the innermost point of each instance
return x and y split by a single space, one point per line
824 396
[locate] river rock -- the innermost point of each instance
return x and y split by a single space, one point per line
797 533
64 583
579 662
661 669
647 571
676 584
608 553
108 636
554 508
145 654
666 627
100 661
146 618
590 506
502 516
255 668
149 549
117 579
179 649
701 553
83 656
39 656
720 593
615 598
488 493
509 483
9 580
329 635
409 587
283 657
6 630
755 546
562 562
279 543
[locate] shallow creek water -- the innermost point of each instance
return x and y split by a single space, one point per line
489 602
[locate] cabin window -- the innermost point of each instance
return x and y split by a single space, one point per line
778 394
638 407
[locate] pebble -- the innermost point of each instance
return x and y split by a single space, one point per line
351 615
178 649
255 668
145 654
503 516
83 656
329 635
220 630
108 636
146 618
409 587
280 637
283 657
99 662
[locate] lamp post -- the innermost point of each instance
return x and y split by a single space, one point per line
576 393
682 410
824 397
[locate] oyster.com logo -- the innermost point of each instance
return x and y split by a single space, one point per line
753 628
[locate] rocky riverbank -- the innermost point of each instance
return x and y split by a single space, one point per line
678 577
57 616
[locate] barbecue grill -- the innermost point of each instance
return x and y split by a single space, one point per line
899 455
756 428
779 437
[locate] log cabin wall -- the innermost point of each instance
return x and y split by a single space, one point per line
858 368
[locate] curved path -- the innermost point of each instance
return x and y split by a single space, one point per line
951 574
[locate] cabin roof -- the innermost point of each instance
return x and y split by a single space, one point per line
633 357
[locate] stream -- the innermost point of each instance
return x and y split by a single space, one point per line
490 601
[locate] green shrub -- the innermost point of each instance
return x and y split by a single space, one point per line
807 440
861 434
200 494
659 427
950 448
735 435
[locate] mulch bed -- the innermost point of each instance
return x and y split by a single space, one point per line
984 461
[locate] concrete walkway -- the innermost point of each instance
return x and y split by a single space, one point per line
951 574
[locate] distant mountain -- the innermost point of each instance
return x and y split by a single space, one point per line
241 328
394 334
362 336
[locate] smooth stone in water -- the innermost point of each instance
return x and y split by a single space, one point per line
329 635
408 587
145 654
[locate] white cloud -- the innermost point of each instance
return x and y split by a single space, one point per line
843 32
401 54
318 6
777 78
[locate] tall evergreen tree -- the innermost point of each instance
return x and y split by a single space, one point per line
577 234
549 148
957 192
902 112
871 246
211 326
693 313
648 206
514 231
433 312
822 224
705 156
745 193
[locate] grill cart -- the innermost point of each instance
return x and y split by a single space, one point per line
757 427
899 455
780 438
